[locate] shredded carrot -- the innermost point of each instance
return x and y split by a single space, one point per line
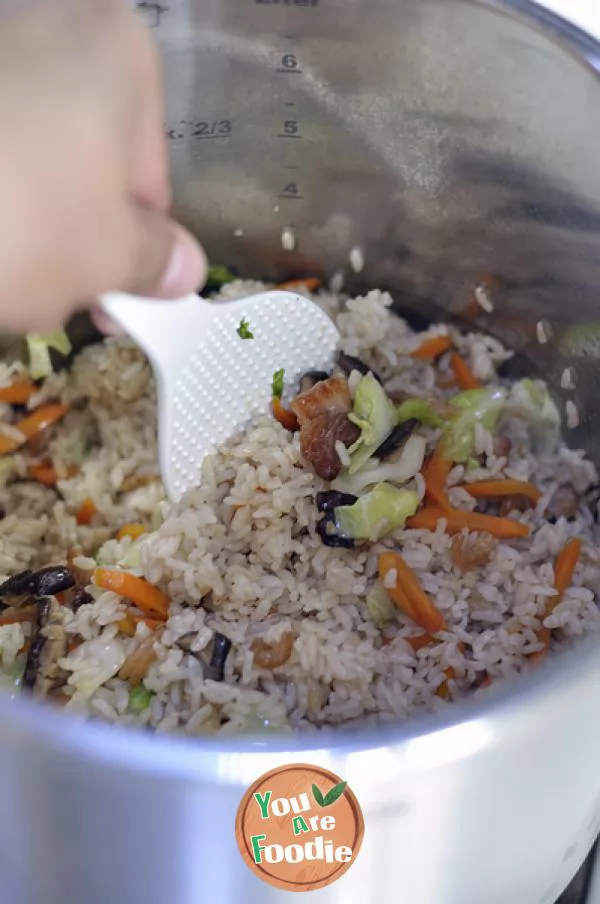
145 595
128 624
485 681
285 417
419 641
18 393
27 613
46 474
407 588
73 644
432 348
86 512
465 377
31 425
136 665
564 567
503 528
435 474
443 690
133 530
483 488
311 284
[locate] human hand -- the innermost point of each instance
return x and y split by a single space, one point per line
84 178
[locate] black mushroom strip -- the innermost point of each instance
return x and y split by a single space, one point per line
49 646
395 442
348 363
220 651
330 499
45 582
327 531
311 378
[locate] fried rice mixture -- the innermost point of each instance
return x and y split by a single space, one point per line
388 538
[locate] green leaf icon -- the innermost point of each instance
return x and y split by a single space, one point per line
334 794
318 796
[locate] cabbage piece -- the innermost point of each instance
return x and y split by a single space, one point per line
8 469
421 410
375 415
381 608
400 471
531 400
12 639
132 558
377 513
11 678
475 406
38 347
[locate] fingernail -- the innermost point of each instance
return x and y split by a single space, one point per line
186 270
104 324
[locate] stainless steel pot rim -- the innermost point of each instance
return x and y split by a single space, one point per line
465 728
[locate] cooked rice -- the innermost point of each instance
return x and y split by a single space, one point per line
240 556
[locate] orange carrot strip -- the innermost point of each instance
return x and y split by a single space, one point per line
18 393
311 284
503 528
86 512
47 475
432 348
31 425
485 681
132 530
443 690
435 474
285 417
407 587
145 595
564 566
483 488
465 377
128 624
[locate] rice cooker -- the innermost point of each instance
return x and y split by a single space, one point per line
454 143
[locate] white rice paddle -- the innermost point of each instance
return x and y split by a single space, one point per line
210 381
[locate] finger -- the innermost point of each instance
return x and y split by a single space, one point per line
165 261
105 324
149 169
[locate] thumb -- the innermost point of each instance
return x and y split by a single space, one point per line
167 261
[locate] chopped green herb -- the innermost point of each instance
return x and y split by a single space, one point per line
278 383
217 276
139 699
244 331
